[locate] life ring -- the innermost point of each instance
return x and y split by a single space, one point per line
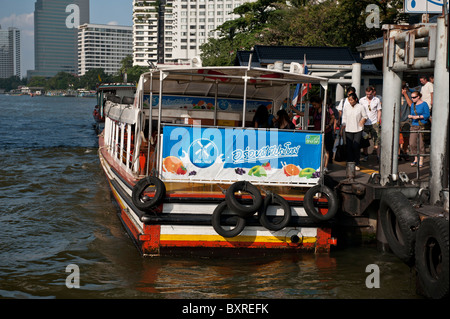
276 199
141 186
215 220
308 203
432 257
399 222
241 209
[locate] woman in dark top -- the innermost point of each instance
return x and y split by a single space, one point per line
261 118
284 121
316 102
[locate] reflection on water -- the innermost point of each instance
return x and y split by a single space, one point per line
56 210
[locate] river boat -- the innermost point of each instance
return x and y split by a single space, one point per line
191 174
122 93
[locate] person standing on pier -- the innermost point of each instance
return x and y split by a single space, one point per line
426 91
344 102
372 105
420 114
354 117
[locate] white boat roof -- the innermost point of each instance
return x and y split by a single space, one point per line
262 83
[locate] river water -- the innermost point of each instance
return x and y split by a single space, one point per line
56 210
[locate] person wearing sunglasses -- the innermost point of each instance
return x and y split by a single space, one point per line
419 114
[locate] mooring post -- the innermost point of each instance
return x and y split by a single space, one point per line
390 115
439 135
350 171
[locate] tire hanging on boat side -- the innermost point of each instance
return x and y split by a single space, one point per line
275 199
138 190
241 209
308 203
432 257
399 222
216 222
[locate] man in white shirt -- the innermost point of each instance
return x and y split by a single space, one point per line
372 105
426 90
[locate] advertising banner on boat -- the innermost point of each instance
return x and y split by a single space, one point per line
262 156
192 103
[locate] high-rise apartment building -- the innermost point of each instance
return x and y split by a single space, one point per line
103 46
9 52
172 31
56 25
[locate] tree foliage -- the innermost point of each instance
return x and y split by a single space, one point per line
239 34
11 83
298 23
89 81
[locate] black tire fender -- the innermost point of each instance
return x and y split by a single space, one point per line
399 221
216 222
241 209
308 203
276 199
432 257
141 186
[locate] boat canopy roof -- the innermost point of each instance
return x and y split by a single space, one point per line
113 86
262 83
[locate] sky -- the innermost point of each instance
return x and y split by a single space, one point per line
20 14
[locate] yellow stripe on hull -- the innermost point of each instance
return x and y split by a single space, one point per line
258 239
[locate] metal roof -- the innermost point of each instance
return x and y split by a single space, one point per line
234 81
264 55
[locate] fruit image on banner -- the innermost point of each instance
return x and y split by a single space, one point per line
291 170
257 171
174 165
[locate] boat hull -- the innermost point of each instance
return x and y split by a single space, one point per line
182 223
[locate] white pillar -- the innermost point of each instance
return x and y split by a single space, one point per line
356 78
339 92
439 136
390 120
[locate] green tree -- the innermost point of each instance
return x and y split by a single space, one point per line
37 81
330 23
63 81
11 83
135 72
239 34
127 63
298 23
95 76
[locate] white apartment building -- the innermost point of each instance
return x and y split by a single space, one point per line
103 46
172 31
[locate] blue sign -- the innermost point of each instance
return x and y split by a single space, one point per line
229 154
424 6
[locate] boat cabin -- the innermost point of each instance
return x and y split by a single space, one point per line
201 128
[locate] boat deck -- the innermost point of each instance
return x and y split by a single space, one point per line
338 169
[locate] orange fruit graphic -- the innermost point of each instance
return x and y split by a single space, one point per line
291 170
171 164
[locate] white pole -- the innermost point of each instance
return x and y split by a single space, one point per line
439 137
390 118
